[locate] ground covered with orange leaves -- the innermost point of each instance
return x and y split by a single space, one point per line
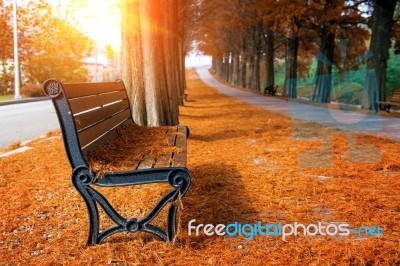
247 165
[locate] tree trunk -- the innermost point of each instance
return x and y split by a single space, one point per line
150 60
214 62
174 92
379 47
291 67
323 75
227 68
153 46
235 70
182 54
249 71
184 42
219 68
255 75
242 71
222 68
231 69
269 60
132 60
182 69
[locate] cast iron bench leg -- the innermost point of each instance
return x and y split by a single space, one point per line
178 179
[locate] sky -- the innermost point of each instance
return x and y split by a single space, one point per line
99 19
196 59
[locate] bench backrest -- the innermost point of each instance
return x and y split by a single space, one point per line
395 96
89 113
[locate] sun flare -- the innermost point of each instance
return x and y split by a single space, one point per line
99 19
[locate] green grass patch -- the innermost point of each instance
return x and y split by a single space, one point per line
347 86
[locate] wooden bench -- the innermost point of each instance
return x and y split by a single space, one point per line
89 115
394 100
270 90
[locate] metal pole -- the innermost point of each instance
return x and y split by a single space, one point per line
97 65
17 93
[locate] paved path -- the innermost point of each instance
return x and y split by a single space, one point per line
24 121
346 120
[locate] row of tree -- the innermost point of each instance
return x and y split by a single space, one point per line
49 46
243 34
239 34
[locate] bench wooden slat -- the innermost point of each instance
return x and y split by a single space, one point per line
390 103
395 99
147 162
135 165
179 159
112 134
92 133
86 103
97 115
86 89
165 159
395 96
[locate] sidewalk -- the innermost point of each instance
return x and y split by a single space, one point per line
345 120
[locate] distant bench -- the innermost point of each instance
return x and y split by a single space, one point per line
271 90
89 115
394 100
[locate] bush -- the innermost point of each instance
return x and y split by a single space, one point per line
348 93
31 90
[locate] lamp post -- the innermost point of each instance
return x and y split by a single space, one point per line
17 93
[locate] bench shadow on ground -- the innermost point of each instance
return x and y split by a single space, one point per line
216 196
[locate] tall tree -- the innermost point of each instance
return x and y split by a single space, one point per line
219 39
333 18
292 26
274 37
6 51
132 62
292 49
323 75
269 39
188 16
290 18
379 47
60 54
151 61
48 46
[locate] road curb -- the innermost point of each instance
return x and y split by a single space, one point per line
36 99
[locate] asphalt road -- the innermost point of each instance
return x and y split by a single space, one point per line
24 121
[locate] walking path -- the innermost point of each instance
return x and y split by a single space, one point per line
345 120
